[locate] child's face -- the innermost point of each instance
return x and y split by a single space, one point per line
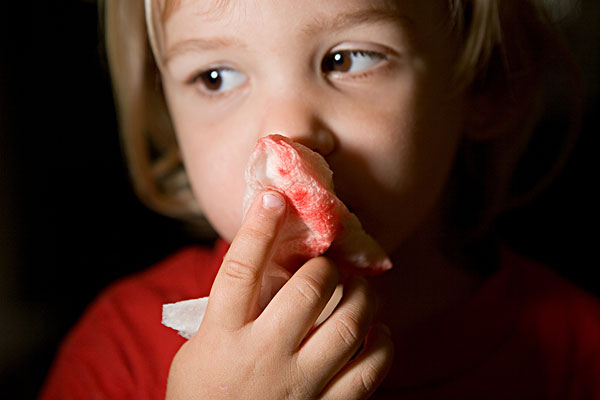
364 82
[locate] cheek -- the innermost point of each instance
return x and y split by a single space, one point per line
218 185
378 140
214 150
397 163
215 166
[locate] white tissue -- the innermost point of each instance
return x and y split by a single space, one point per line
185 316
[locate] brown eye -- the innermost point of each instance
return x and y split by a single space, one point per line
212 79
350 61
339 61
219 79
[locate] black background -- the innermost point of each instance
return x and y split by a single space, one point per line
70 224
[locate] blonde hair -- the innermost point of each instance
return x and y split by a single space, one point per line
504 46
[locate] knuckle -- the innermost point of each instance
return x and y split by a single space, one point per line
240 271
348 330
300 380
368 378
308 288
255 234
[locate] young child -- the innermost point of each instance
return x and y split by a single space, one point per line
422 110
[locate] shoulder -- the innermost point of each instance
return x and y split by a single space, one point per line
562 322
547 296
188 273
119 348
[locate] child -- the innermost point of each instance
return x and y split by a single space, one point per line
422 110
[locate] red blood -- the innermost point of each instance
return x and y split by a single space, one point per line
317 221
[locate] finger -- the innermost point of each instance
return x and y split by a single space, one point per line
295 308
233 298
364 374
329 347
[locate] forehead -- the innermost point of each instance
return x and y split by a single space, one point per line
186 19
207 7
168 7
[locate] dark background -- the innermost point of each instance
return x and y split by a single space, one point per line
70 224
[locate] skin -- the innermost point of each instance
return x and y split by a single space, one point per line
389 130
241 353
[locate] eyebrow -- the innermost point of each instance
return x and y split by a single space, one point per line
319 24
345 20
201 44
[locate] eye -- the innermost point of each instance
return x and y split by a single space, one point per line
219 79
350 61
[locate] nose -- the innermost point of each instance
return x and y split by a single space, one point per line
298 117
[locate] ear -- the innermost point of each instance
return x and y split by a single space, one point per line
487 116
494 111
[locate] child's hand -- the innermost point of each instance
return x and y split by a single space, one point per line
241 353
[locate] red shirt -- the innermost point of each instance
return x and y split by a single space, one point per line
527 334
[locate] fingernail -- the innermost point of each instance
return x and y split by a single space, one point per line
272 201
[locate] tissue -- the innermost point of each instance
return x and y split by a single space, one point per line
317 222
